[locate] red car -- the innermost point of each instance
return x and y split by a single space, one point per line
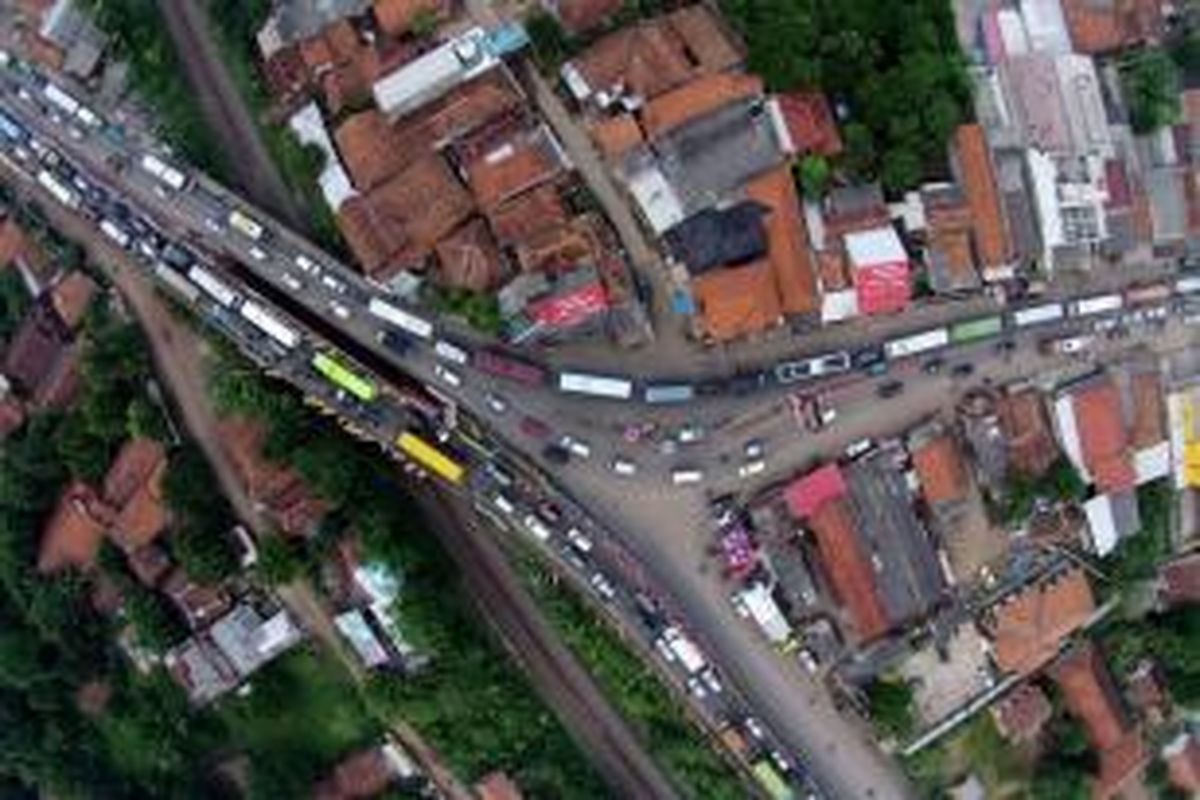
534 428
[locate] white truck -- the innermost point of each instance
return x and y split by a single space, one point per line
674 645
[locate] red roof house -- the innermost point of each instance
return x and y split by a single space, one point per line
810 123
72 536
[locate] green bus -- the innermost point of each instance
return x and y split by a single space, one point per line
345 378
972 330
772 782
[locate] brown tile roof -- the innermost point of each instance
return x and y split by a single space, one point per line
788 249
1101 27
1183 763
397 224
469 259
134 466
642 60
285 71
1147 690
35 348
364 774
527 214
72 536
71 297
1091 695
704 37
144 516
395 17
834 270
579 16
950 238
371 149
1021 715
695 99
810 123
295 508
198 603
559 248
497 786
61 385
1149 411
1103 438
17 247
461 110
616 136
1180 580
1030 626
1031 447
343 65
940 468
849 567
978 178
514 167
739 301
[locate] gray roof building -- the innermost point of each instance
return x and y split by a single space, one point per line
719 237
293 21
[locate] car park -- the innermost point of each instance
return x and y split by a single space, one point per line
447 376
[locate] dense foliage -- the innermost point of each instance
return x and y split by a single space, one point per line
890 703
470 704
201 517
1137 557
895 67
1170 638
1150 83
639 694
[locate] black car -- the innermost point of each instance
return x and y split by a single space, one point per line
398 343
748 382
963 370
556 454
890 389
933 366
865 358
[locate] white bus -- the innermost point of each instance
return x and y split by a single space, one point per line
403 320
164 173
595 385
269 324
61 100
1098 304
246 225
1037 315
1189 284
917 343
62 193
213 286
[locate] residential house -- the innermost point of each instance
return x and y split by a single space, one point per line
497 786
1026 430
977 177
71 298
40 343
203 671
881 271
367 773
789 252
1091 695
1105 27
133 487
501 170
1029 626
397 17
581 16
809 123
950 258
941 470
293 22
1021 715
72 536
249 638
469 258
434 73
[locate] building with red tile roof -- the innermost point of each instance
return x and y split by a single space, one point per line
469 259
364 774
133 487
705 39
695 99
61 385
462 110
1091 426
1029 626
396 17
371 148
35 349
788 249
1091 695
1109 25
977 176
514 167
737 301
71 298
1021 715
951 256
559 248
821 500
199 604
17 248
134 467
397 224
527 214
941 470
616 136
71 538
580 16
1148 424
1028 439
810 123
1182 755
497 786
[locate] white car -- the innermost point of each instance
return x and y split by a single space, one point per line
577 447
751 468
686 475
291 282
689 434
535 526
711 680
339 310
623 467
857 448
603 586
257 253
333 284
696 687
495 403
504 504
754 449
447 376
305 263
579 540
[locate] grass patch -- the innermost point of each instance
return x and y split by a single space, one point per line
638 693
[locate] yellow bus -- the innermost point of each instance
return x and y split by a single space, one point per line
431 458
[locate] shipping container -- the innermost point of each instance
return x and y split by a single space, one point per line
506 366
213 286
974 330
403 320
917 343
662 393
595 385
1037 315
269 324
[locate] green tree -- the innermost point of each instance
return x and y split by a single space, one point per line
1150 81
1065 483
814 173
279 561
14 301
890 703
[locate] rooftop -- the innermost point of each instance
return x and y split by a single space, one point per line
616 136
580 16
527 214
370 148
1031 447
515 166
788 249
396 17
469 259
810 123
1102 27
1182 755
737 301
1021 715
978 179
695 99
71 298
1091 426
716 238
294 21
72 536
941 470
1179 580
1030 625
36 347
